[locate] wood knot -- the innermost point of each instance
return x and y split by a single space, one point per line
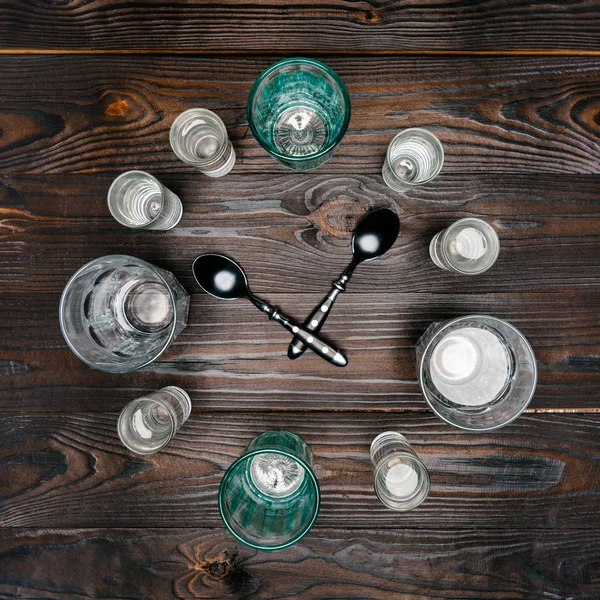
368 16
118 108
338 217
219 567
214 570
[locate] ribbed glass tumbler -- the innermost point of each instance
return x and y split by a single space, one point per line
138 200
401 480
298 111
269 498
415 156
469 246
199 138
147 424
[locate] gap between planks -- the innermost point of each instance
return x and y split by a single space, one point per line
302 51
398 411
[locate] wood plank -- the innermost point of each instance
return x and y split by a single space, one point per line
236 359
305 26
72 471
282 227
517 114
444 563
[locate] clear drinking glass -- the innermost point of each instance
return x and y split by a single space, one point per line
269 497
415 156
119 313
199 138
469 246
147 424
138 200
298 111
401 480
476 372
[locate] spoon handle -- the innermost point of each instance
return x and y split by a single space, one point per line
310 339
319 314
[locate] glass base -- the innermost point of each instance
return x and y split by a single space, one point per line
276 475
300 131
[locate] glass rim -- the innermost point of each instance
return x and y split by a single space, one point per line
61 311
435 338
172 421
328 71
243 458
421 494
465 221
435 140
162 198
220 124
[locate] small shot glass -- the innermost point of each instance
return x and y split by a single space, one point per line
199 138
415 156
147 424
401 480
138 200
469 247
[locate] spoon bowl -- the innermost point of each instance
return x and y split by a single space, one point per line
375 234
220 277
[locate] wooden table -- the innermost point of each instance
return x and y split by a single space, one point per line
511 87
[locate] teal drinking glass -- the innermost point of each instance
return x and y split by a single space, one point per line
298 111
269 498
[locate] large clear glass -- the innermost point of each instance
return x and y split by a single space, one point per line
476 372
119 313
414 157
147 424
298 111
269 498
199 138
401 480
138 200
469 247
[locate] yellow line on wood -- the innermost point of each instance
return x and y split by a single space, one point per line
242 53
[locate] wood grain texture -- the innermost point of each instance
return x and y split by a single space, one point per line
72 471
287 226
329 563
235 360
292 232
505 115
306 25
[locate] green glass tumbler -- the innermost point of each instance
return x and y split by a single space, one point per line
298 111
269 498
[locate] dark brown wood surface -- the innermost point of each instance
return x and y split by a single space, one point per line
403 563
95 112
72 471
512 89
306 25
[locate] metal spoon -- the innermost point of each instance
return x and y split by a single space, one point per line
223 278
374 235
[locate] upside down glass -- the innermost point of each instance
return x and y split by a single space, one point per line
138 200
298 111
469 246
119 313
476 372
415 156
147 424
269 498
199 138
401 480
